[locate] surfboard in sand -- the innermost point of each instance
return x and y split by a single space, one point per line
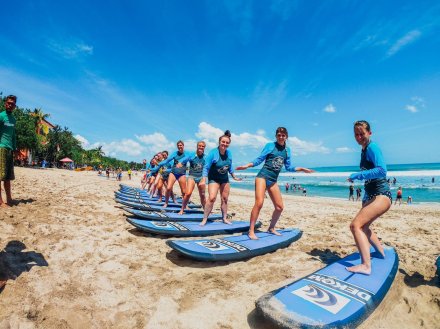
149 206
234 247
331 297
173 217
145 211
190 228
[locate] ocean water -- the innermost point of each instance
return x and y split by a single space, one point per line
415 180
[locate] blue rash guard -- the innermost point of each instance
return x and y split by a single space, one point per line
275 156
196 164
374 172
176 157
217 166
166 171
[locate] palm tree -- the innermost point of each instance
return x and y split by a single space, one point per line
40 116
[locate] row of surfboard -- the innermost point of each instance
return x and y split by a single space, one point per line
330 297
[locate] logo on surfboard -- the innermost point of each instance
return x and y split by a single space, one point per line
323 298
221 244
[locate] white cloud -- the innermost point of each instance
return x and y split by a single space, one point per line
411 108
156 142
125 146
300 147
408 38
84 142
344 149
330 108
211 134
70 49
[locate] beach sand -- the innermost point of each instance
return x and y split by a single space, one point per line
73 261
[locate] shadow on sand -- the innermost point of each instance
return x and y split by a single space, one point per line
326 256
14 261
418 279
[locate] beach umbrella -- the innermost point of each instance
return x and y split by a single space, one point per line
66 160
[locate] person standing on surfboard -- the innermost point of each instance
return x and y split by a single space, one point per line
177 173
218 164
377 197
275 155
196 163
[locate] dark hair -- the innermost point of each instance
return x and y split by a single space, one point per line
164 152
13 97
364 124
201 142
281 130
180 141
227 133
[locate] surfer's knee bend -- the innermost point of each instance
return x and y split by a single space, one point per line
279 207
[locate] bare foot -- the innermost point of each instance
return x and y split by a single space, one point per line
4 205
203 222
252 236
180 212
272 231
227 222
361 269
165 205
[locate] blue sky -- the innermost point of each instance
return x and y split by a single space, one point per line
136 76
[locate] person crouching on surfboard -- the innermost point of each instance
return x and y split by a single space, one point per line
377 197
275 155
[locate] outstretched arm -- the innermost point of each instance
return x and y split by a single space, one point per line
244 167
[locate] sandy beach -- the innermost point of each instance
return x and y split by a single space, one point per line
73 261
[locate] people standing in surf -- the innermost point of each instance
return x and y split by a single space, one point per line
275 155
196 162
351 192
218 164
399 196
377 197
177 172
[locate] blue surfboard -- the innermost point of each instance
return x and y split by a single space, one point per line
140 212
143 195
156 207
153 202
171 216
189 228
331 297
141 199
234 247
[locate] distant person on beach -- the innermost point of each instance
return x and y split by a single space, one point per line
304 191
8 145
196 162
287 187
107 172
377 197
129 173
177 172
394 180
409 200
351 192
218 166
399 196
275 155
432 180
358 193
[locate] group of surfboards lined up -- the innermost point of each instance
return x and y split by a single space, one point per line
341 293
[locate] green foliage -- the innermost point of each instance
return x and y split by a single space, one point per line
58 143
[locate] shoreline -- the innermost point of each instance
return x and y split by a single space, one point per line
73 261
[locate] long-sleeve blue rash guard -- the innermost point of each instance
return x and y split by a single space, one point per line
373 170
274 155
